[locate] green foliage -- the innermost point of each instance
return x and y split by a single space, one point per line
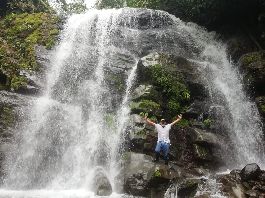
111 4
153 4
207 122
143 114
252 57
263 107
18 36
76 7
145 107
172 87
183 123
157 173
28 6
149 105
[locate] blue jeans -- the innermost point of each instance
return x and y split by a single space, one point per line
164 147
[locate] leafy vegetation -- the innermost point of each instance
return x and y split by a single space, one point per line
172 95
157 173
25 6
172 87
207 122
18 36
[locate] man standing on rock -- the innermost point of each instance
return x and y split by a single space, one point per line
163 141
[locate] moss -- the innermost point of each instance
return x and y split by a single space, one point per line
262 107
18 37
252 57
207 122
157 173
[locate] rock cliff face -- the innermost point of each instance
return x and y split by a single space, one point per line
197 143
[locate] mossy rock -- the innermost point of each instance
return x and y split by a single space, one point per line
253 65
202 153
18 36
261 105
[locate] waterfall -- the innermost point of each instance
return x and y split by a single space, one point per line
77 127
236 112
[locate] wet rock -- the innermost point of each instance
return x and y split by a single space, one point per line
138 173
141 175
252 193
261 105
253 64
195 109
137 119
102 186
144 19
36 79
243 183
250 172
204 137
202 153
141 90
188 188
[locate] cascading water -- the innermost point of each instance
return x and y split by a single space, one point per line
76 129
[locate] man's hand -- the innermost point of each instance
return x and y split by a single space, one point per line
149 121
177 120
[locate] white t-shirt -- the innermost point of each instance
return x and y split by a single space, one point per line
163 132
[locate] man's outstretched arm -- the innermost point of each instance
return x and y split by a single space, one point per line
149 121
177 120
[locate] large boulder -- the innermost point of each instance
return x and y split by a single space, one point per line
248 182
250 172
141 174
102 186
144 19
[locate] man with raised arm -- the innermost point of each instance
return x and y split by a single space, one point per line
163 141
